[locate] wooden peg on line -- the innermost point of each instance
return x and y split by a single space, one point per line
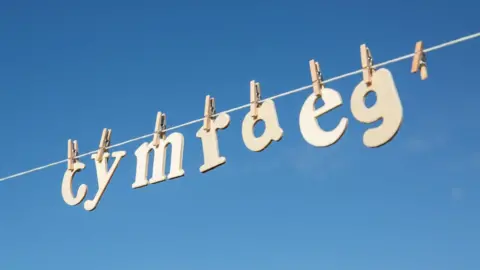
72 154
420 61
104 143
367 64
255 95
160 126
209 112
317 77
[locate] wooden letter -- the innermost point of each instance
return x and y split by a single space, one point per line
211 153
387 107
67 193
176 142
273 132
309 127
103 176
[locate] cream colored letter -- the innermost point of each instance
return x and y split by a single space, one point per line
67 193
309 127
104 175
273 132
211 153
387 107
176 142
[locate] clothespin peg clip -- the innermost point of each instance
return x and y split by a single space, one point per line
209 112
420 61
317 77
160 126
104 143
367 64
72 153
255 94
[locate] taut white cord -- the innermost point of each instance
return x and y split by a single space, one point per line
398 59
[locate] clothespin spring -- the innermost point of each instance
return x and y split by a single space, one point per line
72 154
317 77
367 64
255 97
209 112
420 61
104 143
160 127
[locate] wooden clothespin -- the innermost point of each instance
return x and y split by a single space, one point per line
72 154
104 143
367 64
255 94
420 61
160 126
317 77
209 112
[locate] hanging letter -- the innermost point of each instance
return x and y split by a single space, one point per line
273 132
104 175
211 153
67 193
309 127
387 107
176 142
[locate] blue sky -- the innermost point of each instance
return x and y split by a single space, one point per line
68 70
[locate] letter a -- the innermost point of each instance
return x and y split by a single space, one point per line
104 175
309 127
273 132
176 141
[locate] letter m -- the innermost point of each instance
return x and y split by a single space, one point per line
176 142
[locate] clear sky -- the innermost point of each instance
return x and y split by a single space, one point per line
68 69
